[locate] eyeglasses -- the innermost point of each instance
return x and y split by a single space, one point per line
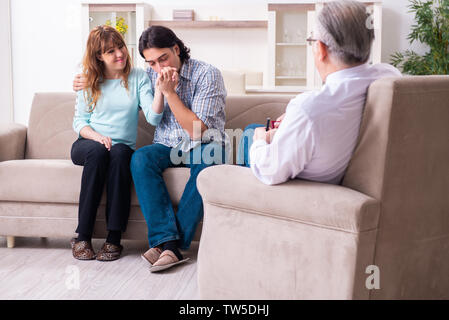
310 41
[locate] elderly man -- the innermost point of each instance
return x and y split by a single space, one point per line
316 136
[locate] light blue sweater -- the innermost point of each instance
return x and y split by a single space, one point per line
116 113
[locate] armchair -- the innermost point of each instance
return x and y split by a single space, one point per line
308 240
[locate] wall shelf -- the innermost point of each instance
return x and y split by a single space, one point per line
210 24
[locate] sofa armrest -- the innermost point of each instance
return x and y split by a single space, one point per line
319 204
12 141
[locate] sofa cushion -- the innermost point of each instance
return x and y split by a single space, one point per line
59 181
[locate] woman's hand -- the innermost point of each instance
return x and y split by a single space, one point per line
88 133
106 141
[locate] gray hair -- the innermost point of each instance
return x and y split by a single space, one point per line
342 27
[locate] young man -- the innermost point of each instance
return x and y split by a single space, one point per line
318 133
194 95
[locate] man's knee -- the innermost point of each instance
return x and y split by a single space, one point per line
249 131
145 157
251 127
138 160
211 154
195 169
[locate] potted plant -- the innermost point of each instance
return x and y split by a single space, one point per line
432 29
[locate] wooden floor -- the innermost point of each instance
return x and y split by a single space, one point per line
45 269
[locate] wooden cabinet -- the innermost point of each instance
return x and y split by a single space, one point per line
135 16
287 47
291 66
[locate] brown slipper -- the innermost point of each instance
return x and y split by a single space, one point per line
82 250
166 260
109 252
151 255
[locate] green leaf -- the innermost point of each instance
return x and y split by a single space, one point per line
432 29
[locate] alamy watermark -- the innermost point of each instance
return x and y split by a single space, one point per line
371 23
72 281
373 280
213 152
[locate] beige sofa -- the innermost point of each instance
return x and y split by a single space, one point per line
387 222
39 185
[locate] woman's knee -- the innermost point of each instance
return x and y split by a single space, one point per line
121 152
85 151
97 153
78 153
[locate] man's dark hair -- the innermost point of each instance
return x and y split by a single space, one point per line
162 37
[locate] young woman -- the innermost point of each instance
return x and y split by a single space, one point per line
106 118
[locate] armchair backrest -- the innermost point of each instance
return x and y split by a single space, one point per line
402 159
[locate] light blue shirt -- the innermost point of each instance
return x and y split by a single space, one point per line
116 113
201 89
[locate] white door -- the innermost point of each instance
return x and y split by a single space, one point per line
6 102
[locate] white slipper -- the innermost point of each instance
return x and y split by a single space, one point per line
166 260
151 255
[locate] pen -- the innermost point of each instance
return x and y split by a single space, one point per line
268 124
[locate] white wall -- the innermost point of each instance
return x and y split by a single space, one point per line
396 24
6 107
225 48
45 49
47 46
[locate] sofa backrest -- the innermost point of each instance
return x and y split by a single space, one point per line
50 134
402 159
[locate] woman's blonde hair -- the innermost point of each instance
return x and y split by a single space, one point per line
101 39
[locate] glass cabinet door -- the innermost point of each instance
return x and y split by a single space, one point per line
123 20
291 54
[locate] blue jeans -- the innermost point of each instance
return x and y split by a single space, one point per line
147 165
246 140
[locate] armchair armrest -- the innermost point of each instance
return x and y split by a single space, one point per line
319 204
12 141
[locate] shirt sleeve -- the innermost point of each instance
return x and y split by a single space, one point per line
289 152
146 99
209 99
82 116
